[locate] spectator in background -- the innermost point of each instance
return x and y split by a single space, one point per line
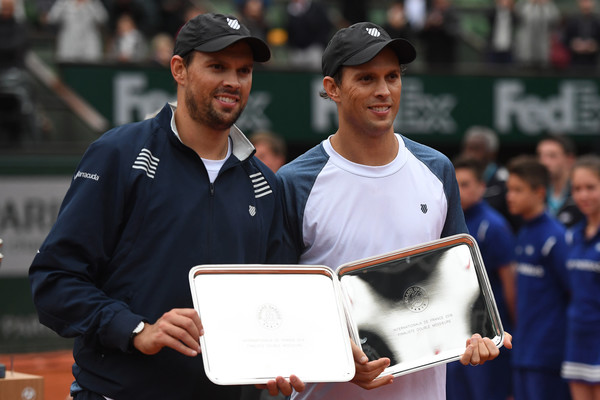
80 24
145 14
502 20
252 14
309 29
171 15
128 43
416 13
481 143
537 21
396 23
542 287
582 359
557 154
162 49
491 381
270 149
440 34
17 114
582 35
40 13
18 10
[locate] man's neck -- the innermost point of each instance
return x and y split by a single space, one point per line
210 144
366 150
559 184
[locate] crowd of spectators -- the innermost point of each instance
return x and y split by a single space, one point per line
524 33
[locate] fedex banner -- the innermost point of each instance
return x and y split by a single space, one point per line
434 108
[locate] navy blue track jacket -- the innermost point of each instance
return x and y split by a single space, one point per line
139 214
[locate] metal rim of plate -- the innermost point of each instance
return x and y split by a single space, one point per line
371 263
221 376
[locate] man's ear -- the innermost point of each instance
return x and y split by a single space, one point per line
178 69
331 88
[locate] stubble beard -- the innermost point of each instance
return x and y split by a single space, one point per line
206 113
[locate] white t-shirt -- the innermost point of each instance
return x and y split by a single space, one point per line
340 211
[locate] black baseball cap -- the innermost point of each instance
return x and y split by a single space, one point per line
359 43
213 32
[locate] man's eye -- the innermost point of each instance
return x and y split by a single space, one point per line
216 66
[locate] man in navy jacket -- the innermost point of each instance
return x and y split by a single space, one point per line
149 201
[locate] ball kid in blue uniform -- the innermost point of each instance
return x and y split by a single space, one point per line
582 358
542 287
492 381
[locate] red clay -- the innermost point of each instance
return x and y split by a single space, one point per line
54 366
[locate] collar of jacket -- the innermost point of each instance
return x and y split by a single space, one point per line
242 147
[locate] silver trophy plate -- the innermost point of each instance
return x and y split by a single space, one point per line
264 321
418 306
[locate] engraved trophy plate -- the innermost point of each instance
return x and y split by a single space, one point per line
418 306
263 321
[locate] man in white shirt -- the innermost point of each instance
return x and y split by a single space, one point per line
366 190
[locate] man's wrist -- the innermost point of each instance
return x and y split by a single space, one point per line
136 331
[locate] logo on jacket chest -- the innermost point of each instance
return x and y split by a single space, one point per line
252 210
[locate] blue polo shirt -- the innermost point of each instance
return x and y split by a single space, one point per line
496 243
542 294
583 265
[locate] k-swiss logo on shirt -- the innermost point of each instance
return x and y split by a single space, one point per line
252 211
373 32
233 23
146 162
261 186
424 208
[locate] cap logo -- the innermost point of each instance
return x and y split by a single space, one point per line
373 32
233 23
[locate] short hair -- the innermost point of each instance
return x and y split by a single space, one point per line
589 161
472 164
188 58
563 141
487 134
337 78
529 169
274 141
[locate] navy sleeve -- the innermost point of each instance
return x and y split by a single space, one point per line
67 273
292 231
455 218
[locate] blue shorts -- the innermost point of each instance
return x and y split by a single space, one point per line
539 384
582 358
490 381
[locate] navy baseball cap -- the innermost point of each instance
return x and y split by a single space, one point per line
359 44
213 32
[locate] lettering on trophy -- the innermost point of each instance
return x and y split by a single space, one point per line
423 325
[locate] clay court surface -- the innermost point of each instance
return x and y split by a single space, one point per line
54 366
